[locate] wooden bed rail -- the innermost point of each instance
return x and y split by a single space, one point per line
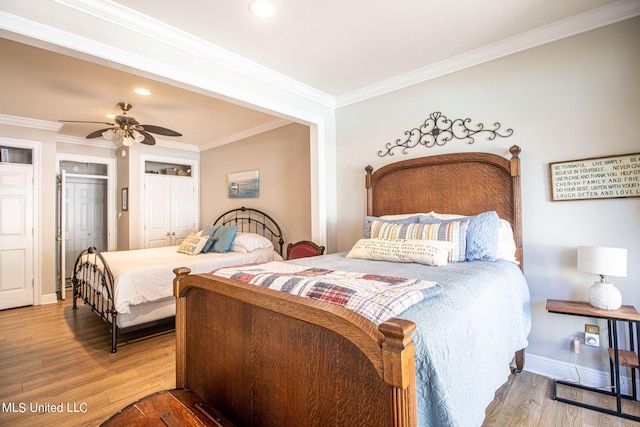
263 357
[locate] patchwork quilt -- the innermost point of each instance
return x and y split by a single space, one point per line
375 297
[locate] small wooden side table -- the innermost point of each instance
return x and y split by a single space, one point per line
617 358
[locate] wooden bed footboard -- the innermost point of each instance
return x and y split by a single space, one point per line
268 358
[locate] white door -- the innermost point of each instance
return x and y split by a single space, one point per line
90 214
157 208
16 236
183 209
170 210
86 214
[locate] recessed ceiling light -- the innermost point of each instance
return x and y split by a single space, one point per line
111 116
142 91
262 8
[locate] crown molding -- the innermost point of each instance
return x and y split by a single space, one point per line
270 125
177 145
30 123
102 143
133 20
93 143
596 18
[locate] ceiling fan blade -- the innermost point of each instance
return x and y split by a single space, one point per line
148 138
160 130
84 121
98 133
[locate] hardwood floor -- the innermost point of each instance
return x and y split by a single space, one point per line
54 355
54 358
525 400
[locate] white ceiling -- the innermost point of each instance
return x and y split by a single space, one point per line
345 50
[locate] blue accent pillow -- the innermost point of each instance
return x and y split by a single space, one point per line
482 235
223 237
209 231
366 224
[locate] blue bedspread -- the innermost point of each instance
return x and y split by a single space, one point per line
465 337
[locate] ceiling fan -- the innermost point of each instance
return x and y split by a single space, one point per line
126 129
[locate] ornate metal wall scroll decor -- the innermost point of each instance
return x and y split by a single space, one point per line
438 130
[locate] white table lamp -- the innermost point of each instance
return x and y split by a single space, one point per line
603 261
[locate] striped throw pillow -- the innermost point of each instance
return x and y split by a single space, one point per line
453 231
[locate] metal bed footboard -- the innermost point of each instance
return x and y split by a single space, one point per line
93 283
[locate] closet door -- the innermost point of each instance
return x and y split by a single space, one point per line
157 208
183 209
170 210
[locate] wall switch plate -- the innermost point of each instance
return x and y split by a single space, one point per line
592 335
592 339
591 329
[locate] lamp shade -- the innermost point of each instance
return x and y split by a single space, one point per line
602 260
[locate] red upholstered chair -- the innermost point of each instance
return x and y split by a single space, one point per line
303 249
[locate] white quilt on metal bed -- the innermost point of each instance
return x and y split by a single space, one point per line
146 275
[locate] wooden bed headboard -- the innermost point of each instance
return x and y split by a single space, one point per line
460 183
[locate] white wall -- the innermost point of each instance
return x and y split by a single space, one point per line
572 99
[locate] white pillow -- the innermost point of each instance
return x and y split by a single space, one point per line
193 244
247 242
506 242
429 252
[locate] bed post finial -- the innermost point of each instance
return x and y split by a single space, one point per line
369 170
515 151
181 273
515 160
367 184
398 351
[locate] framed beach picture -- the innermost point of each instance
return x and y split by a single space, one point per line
242 185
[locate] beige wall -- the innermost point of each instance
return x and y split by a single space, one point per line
282 157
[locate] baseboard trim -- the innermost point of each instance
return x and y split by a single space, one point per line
556 369
48 299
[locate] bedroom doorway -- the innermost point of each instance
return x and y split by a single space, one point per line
83 218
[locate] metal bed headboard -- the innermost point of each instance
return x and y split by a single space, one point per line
250 220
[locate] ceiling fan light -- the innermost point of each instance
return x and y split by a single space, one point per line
137 136
108 134
118 138
127 141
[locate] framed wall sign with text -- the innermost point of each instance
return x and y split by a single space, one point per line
596 178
